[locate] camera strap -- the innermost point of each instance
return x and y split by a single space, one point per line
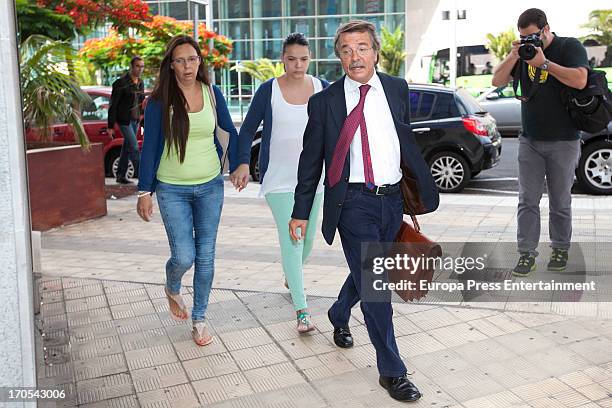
516 80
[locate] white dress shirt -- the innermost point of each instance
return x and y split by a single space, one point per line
382 135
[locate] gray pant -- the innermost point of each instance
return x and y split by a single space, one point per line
557 161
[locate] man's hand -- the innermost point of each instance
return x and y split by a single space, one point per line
294 225
240 177
111 132
514 55
145 207
538 59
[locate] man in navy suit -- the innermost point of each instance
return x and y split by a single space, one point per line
374 173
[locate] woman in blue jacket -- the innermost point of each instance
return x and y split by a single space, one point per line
282 105
181 162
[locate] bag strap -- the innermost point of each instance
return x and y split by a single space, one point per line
213 100
516 79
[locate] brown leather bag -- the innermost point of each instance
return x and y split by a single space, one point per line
413 243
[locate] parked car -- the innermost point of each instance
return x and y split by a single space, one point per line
502 104
457 138
594 172
94 118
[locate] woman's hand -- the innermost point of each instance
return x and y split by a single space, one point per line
240 177
145 207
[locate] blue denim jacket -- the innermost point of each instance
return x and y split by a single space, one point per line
260 109
153 143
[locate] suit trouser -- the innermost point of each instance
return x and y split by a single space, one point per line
556 161
366 217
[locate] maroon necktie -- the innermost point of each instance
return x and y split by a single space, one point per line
355 119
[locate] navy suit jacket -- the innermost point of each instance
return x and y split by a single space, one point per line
326 115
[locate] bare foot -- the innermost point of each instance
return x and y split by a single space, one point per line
201 335
178 310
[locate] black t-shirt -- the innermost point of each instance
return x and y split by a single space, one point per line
544 115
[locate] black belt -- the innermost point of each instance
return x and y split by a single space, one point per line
377 190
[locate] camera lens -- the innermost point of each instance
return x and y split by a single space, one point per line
527 51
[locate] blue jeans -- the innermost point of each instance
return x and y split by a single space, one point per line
191 217
129 149
366 217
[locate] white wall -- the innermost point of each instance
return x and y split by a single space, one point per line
483 16
17 367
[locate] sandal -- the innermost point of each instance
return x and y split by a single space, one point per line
200 334
176 302
304 325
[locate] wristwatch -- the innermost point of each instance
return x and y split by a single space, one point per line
544 66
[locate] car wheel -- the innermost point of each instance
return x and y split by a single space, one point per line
450 171
113 164
254 165
594 171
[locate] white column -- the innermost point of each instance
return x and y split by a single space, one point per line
17 360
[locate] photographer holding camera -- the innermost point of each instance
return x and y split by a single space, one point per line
549 146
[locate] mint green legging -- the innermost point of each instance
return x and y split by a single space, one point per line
293 253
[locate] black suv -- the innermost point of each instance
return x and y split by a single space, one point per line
457 139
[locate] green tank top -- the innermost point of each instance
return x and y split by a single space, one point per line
201 162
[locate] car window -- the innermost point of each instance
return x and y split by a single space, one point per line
467 104
505 92
445 107
414 103
426 105
421 104
97 109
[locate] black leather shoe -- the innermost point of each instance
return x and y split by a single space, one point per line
400 388
342 335
123 181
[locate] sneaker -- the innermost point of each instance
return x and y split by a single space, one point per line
558 260
304 325
526 264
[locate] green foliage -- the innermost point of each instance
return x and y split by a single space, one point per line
50 92
501 44
261 69
600 22
33 19
392 53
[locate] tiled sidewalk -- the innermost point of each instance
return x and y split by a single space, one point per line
106 336
113 344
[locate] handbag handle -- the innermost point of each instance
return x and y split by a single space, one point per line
417 227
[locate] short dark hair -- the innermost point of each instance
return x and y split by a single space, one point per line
134 59
532 16
295 39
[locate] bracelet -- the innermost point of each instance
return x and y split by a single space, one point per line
144 193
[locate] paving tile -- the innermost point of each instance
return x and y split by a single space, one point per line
273 377
99 366
222 388
541 389
256 336
596 350
433 318
259 356
417 344
502 399
108 387
150 357
211 366
458 334
179 396
163 376
129 401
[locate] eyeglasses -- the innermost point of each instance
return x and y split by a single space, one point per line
187 61
348 52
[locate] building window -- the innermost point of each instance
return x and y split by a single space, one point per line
370 7
330 70
332 7
301 8
302 25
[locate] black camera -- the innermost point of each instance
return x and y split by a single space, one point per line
527 49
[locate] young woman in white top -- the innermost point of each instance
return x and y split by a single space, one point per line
281 103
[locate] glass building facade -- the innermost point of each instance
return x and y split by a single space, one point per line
258 27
